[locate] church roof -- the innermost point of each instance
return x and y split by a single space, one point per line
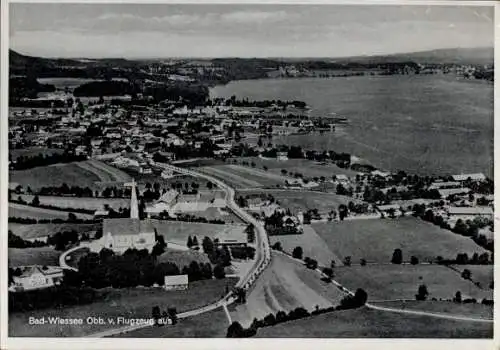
126 226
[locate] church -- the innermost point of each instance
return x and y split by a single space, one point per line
124 233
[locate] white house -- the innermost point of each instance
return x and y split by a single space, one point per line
176 282
35 277
473 177
233 236
282 156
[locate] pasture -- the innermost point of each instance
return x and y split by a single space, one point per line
308 168
233 178
112 303
375 240
212 324
54 175
33 256
26 211
484 274
179 231
312 245
442 307
44 230
389 282
105 172
367 323
303 200
89 203
285 285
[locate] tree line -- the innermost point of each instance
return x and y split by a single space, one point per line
28 162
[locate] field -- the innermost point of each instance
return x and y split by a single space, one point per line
307 168
105 172
312 245
89 203
425 124
389 282
242 177
375 240
178 231
54 175
182 258
44 230
127 303
442 307
484 274
33 151
33 256
285 285
83 174
212 324
367 323
61 83
304 200
26 211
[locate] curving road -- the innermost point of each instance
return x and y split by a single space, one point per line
262 253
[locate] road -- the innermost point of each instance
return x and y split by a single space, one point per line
262 253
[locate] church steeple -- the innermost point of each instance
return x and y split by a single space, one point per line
134 205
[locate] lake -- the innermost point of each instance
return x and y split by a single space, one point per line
424 124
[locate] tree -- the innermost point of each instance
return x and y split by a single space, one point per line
195 241
422 293
71 217
397 256
328 271
189 242
347 261
219 272
414 260
297 253
156 313
36 201
458 297
466 274
277 246
362 262
210 185
235 330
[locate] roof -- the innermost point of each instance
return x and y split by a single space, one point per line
470 211
233 234
463 177
445 192
444 184
28 271
389 206
176 280
126 226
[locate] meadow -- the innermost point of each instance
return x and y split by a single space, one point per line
113 303
376 239
428 124
33 256
90 203
44 230
484 274
25 211
389 282
33 151
367 323
285 285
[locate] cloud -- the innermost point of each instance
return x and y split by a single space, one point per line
256 16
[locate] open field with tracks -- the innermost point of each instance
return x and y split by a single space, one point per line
375 240
237 179
367 323
285 285
33 256
389 282
113 303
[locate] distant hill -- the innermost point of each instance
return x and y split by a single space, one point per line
483 55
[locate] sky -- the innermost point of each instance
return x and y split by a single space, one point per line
195 30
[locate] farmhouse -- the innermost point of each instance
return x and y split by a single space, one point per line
35 277
282 156
446 192
165 203
389 208
176 282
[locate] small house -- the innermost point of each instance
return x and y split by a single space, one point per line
176 282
